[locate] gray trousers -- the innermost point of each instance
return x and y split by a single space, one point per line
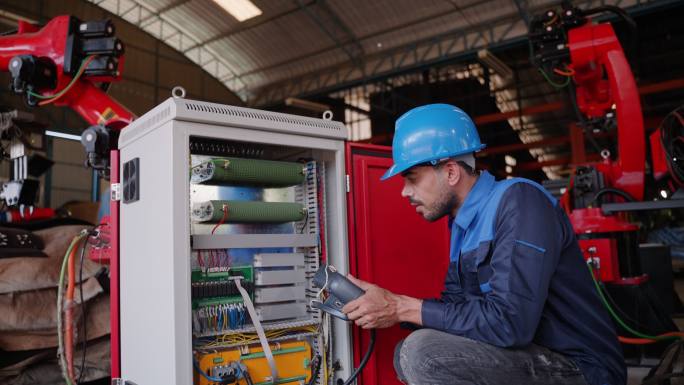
428 356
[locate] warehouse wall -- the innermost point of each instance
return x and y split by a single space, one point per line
150 71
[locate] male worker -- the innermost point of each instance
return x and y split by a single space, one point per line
519 305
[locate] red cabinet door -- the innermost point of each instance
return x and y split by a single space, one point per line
391 246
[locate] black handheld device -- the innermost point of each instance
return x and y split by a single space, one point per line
340 289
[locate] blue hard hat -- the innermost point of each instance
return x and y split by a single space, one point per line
430 133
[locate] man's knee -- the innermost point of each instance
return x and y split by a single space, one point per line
428 353
415 350
397 361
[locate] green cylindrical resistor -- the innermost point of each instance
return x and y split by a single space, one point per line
248 212
248 172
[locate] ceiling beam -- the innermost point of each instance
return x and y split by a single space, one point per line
158 12
646 89
523 6
548 142
507 29
361 38
247 25
354 56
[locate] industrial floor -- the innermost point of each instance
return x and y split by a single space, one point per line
636 374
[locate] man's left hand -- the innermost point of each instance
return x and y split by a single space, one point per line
375 309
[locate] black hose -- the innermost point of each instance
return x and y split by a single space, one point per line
671 134
580 116
615 191
364 361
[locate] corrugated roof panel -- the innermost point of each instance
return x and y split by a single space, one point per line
281 40
208 19
157 5
271 7
315 63
240 62
488 10
448 23
369 17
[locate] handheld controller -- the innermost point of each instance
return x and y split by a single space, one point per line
340 289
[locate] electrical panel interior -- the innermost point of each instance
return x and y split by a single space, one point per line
257 214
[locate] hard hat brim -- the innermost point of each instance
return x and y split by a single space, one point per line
397 169
392 171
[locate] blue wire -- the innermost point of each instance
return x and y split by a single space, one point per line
199 370
243 313
220 319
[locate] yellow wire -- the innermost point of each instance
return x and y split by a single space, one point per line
244 338
325 366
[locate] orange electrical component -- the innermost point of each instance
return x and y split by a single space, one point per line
293 360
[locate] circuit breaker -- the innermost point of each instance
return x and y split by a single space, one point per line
228 213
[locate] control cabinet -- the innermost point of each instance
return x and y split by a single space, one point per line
225 214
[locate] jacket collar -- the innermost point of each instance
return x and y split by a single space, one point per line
474 200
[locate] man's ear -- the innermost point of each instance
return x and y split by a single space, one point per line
453 172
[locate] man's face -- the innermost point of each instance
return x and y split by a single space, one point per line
427 189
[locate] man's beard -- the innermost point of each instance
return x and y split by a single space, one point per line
444 205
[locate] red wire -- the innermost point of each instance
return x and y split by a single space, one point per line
569 72
199 258
223 219
645 341
636 341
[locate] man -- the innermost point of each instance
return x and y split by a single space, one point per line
519 305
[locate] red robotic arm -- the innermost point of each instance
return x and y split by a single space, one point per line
605 86
60 64
568 45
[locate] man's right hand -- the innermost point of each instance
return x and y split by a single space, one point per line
380 308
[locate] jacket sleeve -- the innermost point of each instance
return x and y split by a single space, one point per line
527 243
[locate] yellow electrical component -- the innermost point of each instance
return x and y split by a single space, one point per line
293 361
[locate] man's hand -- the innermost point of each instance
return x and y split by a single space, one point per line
380 308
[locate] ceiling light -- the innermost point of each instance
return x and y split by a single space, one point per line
240 9
63 135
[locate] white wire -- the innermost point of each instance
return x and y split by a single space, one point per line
318 295
260 332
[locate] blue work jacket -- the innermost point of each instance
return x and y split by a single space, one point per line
517 276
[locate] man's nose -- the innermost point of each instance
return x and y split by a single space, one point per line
406 192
